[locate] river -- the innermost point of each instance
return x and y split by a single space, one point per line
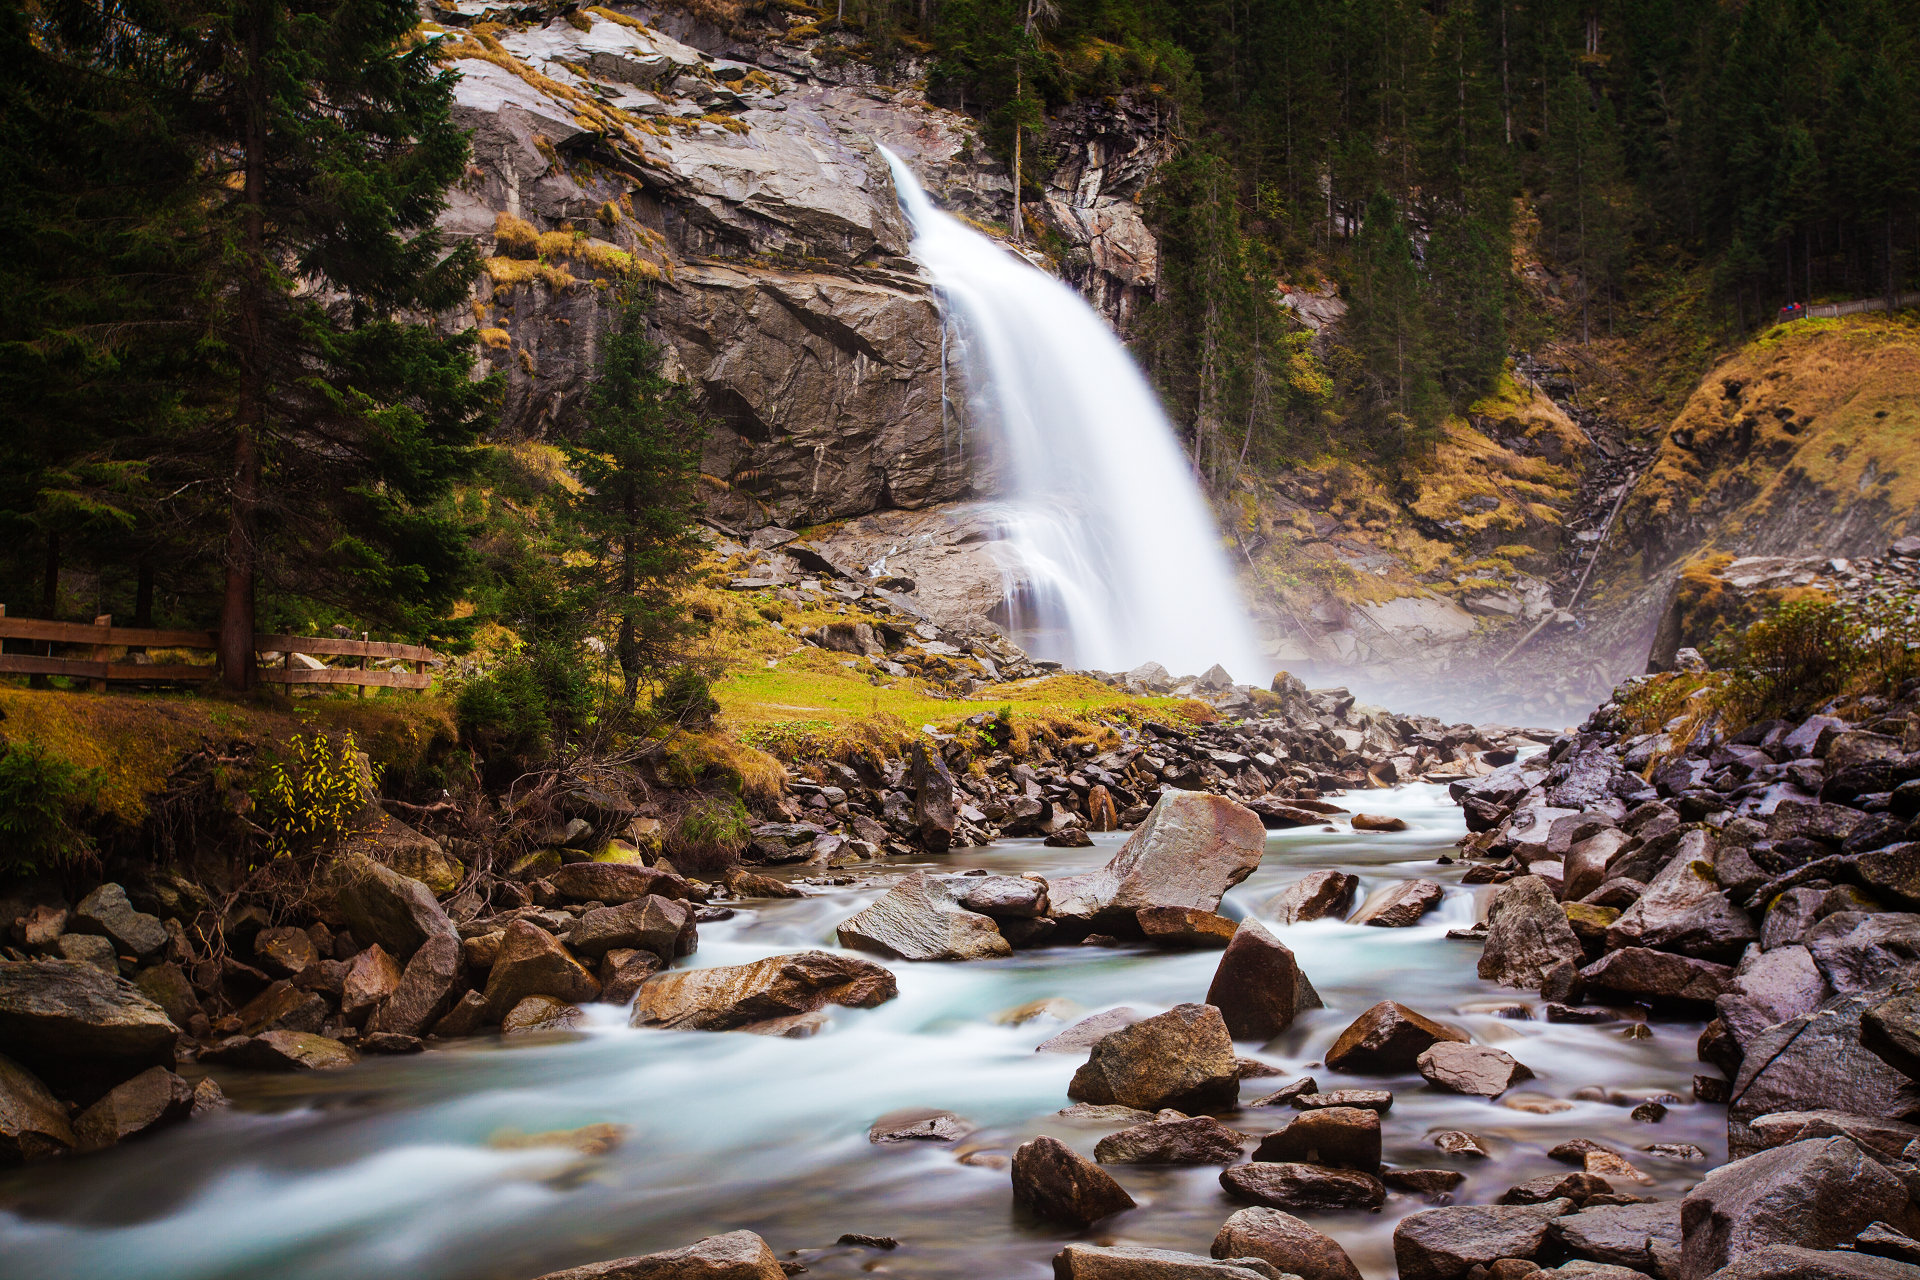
409 1166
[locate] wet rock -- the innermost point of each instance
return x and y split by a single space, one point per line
1399 906
1786 1262
468 1015
1056 1182
918 919
751 884
1883 1241
1341 1137
1856 951
934 816
1624 1235
1475 1069
615 882
1002 897
1891 1031
167 986
1087 1032
1281 816
107 913
733 997
281 1051
388 1042
1259 986
1881 1138
539 1013
1107 1115
1789 917
1812 1063
1192 848
282 1007
622 970
919 1124
1892 874
1684 910
1813 1194
383 906
151 1100
1442 1244
1319 895
1193 1140
1304 1186
430 984
33 1123
371 977
663 926
1286 1243
1658 976
1458 1142
1577 1187
1769 988
284 952
58 1017
1380 1100
1387 1039
737 1255
1425 1182
533 963
1181 1059
1184 927
1376 822
1587 861
1527 934
1286 1093
1127 1262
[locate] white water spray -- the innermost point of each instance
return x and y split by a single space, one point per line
1122 562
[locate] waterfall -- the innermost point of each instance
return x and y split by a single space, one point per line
1120 562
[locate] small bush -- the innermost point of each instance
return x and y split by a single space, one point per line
709 837
44 802
513 716
310 797
1800 655
686 699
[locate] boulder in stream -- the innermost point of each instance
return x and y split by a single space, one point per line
1339 1137
918 1124
737 1255
1318 895
1181 1059
63 1019
154 1098
1813 1194
531 963
33 1123
1388 1039
1259 986
918 919
1446 1243
1187 1140
281 1051
1399 906
735 997
1304 1186
663 926
1184 927
1279 1238
615 882
1129 1262
1056 1182
428 987
1192 848
1527 935
1476 1069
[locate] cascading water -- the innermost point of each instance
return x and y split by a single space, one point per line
1120 562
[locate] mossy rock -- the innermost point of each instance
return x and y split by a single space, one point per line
1588 921
620 851
531 866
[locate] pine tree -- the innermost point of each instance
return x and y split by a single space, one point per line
637 463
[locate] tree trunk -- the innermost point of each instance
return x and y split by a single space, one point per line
1019 229
143 593
629 647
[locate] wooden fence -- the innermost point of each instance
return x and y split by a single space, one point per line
101 664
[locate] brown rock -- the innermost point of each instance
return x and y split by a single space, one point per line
1380 1100
468 1015
1587 861
1458 1142
935 817
154 1098
1181 1059
107 913
1318 895
1388 1039
1471 1068
731 997
918 1124
1192 848
918 919
1286 1242
1304 1186
282 1007
1191 1140
60 1020
1527 935
615 882
284 952
533 963
1375 822
1342 1137
281 1051
663 926
371 977
33 1124
1184 927
1814 1194
1399 906
622 970
1129 1262
1258 986
1684 909
1089 1031
383 906
427 988
1577 1187
1425 1182
540 1013
1659 976
737 1255
167 986
1055 1182
1443 1244
41 927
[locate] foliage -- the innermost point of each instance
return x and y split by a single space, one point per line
1801 654
686 699
710 835
44 802
513 716
310 794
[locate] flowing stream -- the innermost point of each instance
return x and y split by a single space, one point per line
407 1166
1120 560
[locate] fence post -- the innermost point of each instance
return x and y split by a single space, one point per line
99 653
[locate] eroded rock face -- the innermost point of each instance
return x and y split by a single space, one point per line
1056 1182
1191 849
282 1051
1279 1238
1259 986
1812 1194
1181 1059
1816 1062
918 919
1476 1069
735 997
737 1255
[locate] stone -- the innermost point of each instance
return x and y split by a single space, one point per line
468 1015
1055 1182
1128 1262
1376 822
1304 1186
1002 897
1577 1187
1890 1030
1339 1137
1425 1182
1623 1235
539 1013
1380 1100
1684 910
1399 906
1181 1059
1789 917
151 1100
1816 1062
1770 987
89 949
918 919
1892 874
1475 1069
734 997
430 984
389 1042
1812 1194
1458 1142
282 1007
1387 1039
918 1124
107 913
1881 1138
33 1123
1444 1243
1787 1262
284 952
1857 951
1285 1242
1658 976
934 816
622 970
167 986
1885 1242
1087 1032
1259 986
1587 861
281 1051
663 926
1184 927
737 1255
1106 1116
1192 848
1319 895
1527 934
751 884
38 929
613 883
383 906
371 977
59 1017
1192 1140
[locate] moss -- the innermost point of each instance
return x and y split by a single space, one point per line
496 339
508 273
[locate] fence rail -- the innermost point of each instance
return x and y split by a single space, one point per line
99 665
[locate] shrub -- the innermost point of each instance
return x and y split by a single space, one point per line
686 699
310 797
44 802
513 716
1797 656
708 838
